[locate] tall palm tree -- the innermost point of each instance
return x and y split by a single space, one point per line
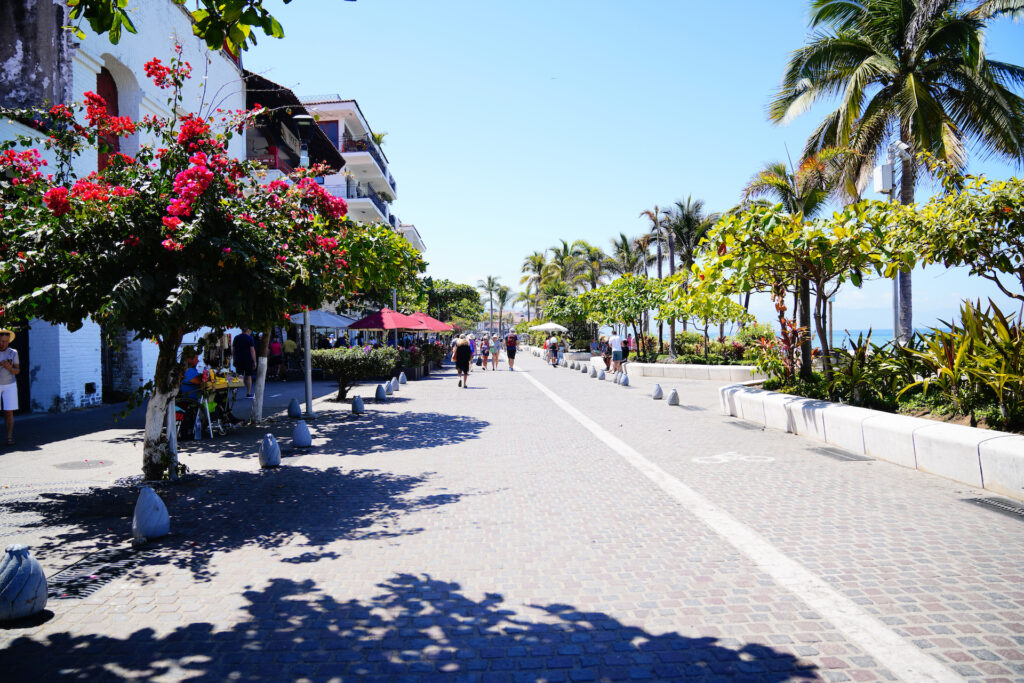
642 247
504 296
490 288
533 274
658 219
688 225
908 70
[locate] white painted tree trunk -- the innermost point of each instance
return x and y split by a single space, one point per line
261 383
154 449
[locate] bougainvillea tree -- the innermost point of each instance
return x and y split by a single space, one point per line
179 237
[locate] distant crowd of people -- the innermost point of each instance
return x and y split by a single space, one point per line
612 349
468 350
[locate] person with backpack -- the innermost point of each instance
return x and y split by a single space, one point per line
462 356
553 350
511 342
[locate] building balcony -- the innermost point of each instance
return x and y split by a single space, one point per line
361 153
364 204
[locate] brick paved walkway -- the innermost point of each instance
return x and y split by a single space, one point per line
486 534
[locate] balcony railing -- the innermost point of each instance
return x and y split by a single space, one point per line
359 191
366 144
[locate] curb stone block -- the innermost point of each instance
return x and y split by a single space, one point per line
727 398
696 372
1002 465
751 405
844 426
805 417
891 438
720 373
776 416
951 451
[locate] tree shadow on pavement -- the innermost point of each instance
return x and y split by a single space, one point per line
380 432
302 507
417 628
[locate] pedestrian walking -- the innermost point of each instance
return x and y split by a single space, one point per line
605 351
511 345
463 355
244 352
553 350
485 350
472 346
627 346
563 348
9 371
615 342
495 351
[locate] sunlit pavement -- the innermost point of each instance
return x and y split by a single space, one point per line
539 525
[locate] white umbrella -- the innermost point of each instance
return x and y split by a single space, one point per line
549 327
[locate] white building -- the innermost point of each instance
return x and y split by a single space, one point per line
42 61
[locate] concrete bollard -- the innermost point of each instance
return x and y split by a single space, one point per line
294 411
593 371
625 380
657 395
395 384
150 519
301 438
22 584
583 369
388 389
673 398
600 374
270 452
357 405
381 395
402 379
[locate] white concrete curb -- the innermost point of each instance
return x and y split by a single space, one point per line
983 458
719 373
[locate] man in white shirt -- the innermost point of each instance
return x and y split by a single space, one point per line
615 342
9 370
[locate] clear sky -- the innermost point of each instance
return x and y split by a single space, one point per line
512 125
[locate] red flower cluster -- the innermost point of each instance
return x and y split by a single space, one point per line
163 76
171 223
335 207
171 245
192 127
97 116
56 200
131 241
24 164
61 111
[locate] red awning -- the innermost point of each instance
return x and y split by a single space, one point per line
386 319
430 324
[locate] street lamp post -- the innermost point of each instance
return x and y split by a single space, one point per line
885 183
304 123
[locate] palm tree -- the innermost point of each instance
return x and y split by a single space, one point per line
531 299
564 264
595 263
658 220
533 275
490 288
908 70
625 258
504 297
642 247
688 225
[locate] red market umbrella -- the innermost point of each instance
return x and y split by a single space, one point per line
386 319
431 324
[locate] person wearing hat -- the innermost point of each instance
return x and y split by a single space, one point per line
9 370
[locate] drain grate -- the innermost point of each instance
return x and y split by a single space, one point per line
85 577
745 425
1000 505
843 456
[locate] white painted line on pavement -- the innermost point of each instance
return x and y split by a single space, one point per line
902 658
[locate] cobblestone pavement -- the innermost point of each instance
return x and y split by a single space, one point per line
488 534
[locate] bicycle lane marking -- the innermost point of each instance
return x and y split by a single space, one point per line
903 659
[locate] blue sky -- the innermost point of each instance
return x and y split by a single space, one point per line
512 125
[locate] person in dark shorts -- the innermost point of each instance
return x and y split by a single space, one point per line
463 356
244 352
625 347
511 344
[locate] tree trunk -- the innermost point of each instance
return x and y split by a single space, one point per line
256 416
907 182
671 272
661 323
707 341
806 347
166 381
819 324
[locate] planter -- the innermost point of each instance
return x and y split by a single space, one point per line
414 372
717 373
983 458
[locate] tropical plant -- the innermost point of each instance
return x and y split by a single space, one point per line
706 304
658 231
533 274
625 258
351 366
625 300
595 265
531 299
689 226
504 298
908 70
564 264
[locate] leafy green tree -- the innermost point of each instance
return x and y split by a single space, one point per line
530 299
706 304
689 224
569 311
595 264
659 233
910 70
504 297
533 275
564 264
625 300
447 300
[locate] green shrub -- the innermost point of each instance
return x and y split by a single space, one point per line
350 366
752 334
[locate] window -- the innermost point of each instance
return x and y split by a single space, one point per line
330 129
107 89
